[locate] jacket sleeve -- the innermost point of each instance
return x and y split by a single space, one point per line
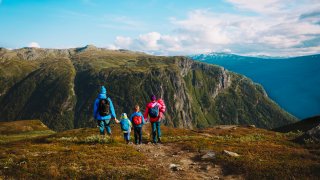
146 113
143 121
95 109
113 113
163 105
160 111
160 107
131 117
130 124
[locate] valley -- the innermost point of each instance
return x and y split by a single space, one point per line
58 86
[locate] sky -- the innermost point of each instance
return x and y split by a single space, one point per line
165 27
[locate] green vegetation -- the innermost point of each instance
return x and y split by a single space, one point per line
303 125
59 88
82 153
242 102
263 154
21 130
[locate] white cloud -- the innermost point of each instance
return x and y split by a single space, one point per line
280 28
150 40
123 42
34 45
260 6
112 47
147 41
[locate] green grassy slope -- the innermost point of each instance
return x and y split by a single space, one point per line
59 87
22 130
45 93
83 154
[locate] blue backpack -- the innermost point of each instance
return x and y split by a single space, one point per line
154 112
125 126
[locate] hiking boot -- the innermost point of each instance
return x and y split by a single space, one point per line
159 140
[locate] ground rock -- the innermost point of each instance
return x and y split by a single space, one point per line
175 167
231 154
209 155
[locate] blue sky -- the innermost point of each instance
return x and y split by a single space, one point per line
165 27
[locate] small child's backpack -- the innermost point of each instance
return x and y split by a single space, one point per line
154 111
104 107
137 120
125 125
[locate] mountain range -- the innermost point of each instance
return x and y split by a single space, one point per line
58 86
292 82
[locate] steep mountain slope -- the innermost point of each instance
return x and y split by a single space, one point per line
303 125
308 128
292 82
59 87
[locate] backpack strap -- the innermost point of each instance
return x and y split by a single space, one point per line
154 104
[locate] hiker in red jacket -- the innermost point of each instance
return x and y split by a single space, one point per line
155 110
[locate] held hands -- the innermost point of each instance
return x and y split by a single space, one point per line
116 120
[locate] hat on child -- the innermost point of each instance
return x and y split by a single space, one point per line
124 116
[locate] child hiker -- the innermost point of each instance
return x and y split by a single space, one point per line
137 120
126 126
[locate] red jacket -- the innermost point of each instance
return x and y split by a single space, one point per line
149 106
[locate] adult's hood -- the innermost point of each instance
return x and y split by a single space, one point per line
103 93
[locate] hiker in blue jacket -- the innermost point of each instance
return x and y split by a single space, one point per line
103 111
137 120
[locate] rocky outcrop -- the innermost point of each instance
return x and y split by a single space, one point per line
231 154
314 134
59 87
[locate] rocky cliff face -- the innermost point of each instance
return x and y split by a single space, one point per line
59 87
314 134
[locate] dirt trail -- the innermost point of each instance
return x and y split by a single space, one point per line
188 164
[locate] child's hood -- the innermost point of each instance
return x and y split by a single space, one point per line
137 113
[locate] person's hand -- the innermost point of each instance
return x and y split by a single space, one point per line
147 120
116 120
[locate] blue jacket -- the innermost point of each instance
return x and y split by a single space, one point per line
96 114
137 114
125 122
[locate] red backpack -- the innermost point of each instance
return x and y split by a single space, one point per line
137 120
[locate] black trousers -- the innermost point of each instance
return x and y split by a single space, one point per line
138 135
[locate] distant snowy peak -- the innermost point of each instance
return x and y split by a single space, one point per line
215 55
226 55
